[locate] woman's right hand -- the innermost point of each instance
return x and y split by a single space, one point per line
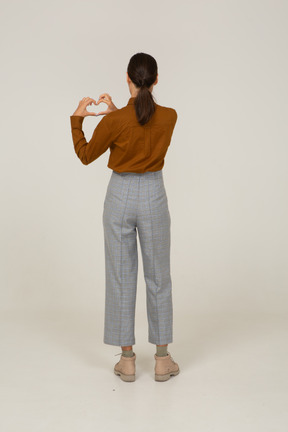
106 98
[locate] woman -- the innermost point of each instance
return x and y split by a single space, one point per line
138 136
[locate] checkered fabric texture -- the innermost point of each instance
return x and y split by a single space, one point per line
137 203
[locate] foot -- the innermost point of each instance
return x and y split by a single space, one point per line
165 367
126 368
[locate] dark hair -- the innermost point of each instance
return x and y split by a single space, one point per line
142 70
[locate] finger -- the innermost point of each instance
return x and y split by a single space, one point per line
103 101
103 112
88 101
105 96
91 100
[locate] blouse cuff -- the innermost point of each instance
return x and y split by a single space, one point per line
76 121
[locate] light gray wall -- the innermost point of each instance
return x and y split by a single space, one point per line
223 67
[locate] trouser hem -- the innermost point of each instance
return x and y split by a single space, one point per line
160 342
119 343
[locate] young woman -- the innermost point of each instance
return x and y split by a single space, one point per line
138 136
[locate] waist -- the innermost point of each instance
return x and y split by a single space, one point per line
156 174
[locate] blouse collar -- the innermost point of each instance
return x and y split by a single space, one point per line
131 100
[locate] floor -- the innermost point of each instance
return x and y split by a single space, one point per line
57 375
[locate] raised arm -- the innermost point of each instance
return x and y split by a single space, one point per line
102 136
101 139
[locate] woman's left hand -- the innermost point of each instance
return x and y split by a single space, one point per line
81 110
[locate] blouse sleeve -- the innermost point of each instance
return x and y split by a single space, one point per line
101 139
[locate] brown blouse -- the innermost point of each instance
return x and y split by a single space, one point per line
133 147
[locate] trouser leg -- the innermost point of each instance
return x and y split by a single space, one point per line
121 265
153 222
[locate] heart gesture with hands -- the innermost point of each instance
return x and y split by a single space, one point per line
82 107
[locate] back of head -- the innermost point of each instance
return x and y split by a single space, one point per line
142 70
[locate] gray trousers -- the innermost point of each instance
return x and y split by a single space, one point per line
137 202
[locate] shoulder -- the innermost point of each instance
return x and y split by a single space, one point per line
170 113
173 114
114 120
109 119
114 116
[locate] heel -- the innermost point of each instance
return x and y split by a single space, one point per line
166 377
162 377
124 377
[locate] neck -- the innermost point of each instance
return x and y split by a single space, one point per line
135 94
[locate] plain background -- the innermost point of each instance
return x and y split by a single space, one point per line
223 66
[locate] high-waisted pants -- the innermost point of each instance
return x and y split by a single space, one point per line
137 203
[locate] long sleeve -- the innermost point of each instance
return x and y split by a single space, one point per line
101 139
172 124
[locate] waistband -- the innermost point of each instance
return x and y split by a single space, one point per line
155 174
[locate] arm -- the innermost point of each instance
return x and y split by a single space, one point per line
102 136
101 139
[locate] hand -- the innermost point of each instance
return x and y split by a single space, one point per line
82 111
106 98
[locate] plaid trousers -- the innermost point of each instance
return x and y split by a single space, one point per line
137 202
